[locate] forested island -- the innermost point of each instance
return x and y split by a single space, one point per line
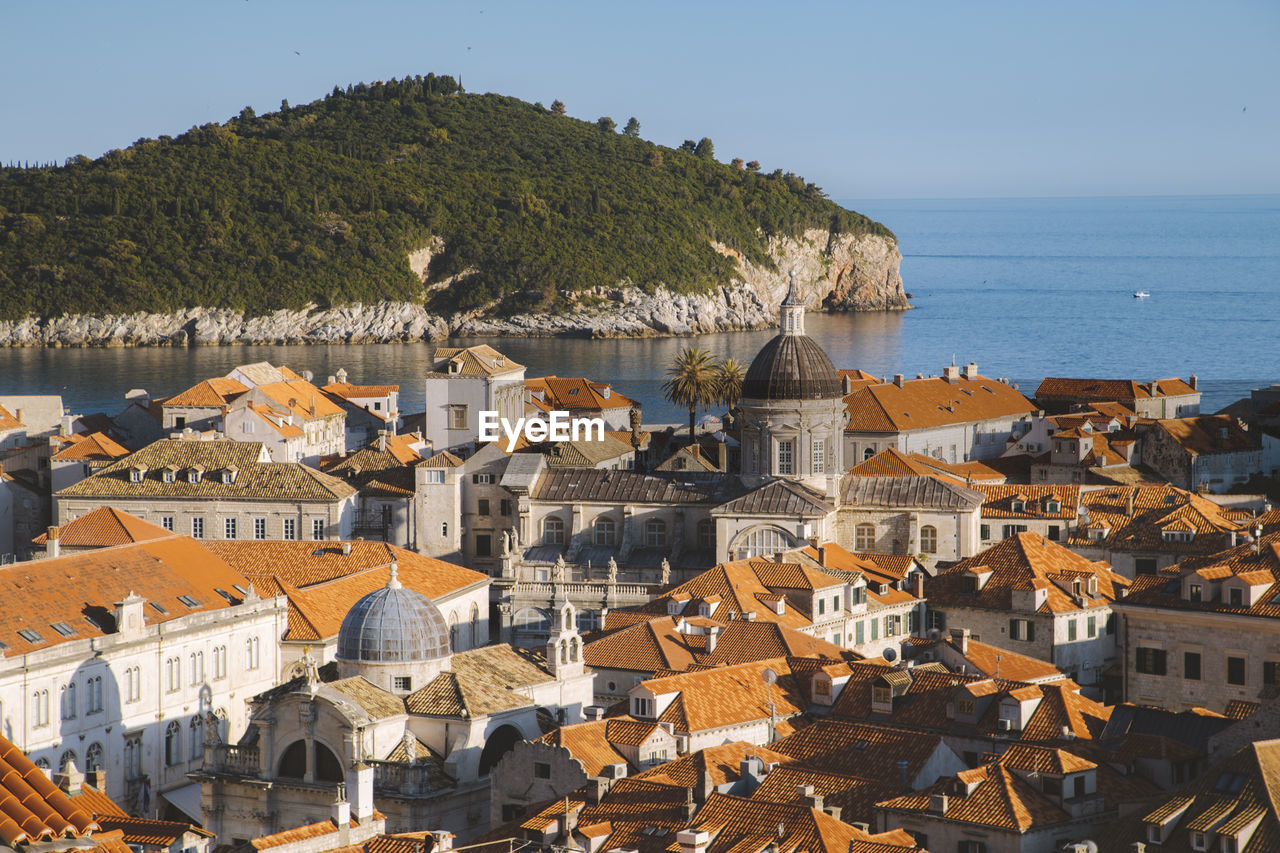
463 207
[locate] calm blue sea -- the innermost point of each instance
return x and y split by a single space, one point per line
1025 287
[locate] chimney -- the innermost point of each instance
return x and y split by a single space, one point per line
332 379
951 373
70 779
1128 502
443 840
809 798
342 375
938 804
834 811
899 379
712 632
98 778
970 370
960 637
18 414
53 542
704 788
693 841
722 457
593 712
340 814
903 773
346 549
597 787
360 790
822 555
917 585
690 807
382 441
1194 382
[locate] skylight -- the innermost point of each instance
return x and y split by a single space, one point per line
64 629
160 608
30 636
189 601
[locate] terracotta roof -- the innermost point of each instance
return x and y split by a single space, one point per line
992 661
589 744
1091 390
855 796
91 447
847 565
728 695
1155 509
569 394
218 391
103 528
1017 563
723 762
442 459
8 421
1202 435
302 833
991 795
32 809
480 360
300 398
870 751
157 833
1035 501
739 825
658 644
1165 588
80 590
894 463
1021 756
929 403
347 389
255 478
96 802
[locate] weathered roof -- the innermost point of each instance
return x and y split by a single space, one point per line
91 447
480 360
481 681
576 393
926 491
929 403
589 484
780 497
254 478
1207 434
792 367
32 809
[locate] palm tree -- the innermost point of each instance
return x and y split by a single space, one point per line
729 377
691 381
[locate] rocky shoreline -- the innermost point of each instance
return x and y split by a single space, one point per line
842 272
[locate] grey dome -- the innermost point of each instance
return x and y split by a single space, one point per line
393 625
792 367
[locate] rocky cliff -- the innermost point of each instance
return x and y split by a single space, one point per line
842 272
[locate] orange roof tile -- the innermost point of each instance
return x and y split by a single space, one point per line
103 528
999 798
32 809
928 403
727 695
92 447
218 391
573 393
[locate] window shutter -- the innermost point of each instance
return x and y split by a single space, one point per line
1031 631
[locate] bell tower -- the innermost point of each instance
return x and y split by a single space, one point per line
564 646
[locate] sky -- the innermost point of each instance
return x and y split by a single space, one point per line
892 99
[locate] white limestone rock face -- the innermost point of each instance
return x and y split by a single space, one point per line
842 272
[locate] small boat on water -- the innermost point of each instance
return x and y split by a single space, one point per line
1140 294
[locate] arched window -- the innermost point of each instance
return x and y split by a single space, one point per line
606 531
655 533
328 767
197 738
532 620
68 757
706 533
553 530
93 757
929 539
69 701
42 763
868 453
173 743
762 542
293 763
864 537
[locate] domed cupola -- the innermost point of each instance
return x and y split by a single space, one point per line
792 366
394 637
792 409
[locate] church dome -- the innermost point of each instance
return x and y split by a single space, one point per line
792 367
393 625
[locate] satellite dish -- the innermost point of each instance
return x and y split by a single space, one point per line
769 676
889 655
935 634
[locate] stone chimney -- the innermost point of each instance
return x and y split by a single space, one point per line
443 840
904 773
98 779
53 542
712 633
340 814
917 585
951 373
593 712
970 370
703 790
346 549
129 622
1128 502
342 375
360 790
722 456
693 840
382 441
597 787
938 804
899 380
960 637
809 797
70 779
1194 382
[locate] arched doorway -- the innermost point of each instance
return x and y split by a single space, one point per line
499 744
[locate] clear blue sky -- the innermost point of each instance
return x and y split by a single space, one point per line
884 99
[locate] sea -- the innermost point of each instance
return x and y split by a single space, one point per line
1026 288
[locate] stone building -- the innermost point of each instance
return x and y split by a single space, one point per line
1163 398
411 727
462 383
1212 452
1037 598
217 489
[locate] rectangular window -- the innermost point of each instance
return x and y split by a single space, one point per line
1271 672
504 506
317 529
228 528
1151 661
1055 533
433 476
1236 595
1191 666
541 770
786 457
1024 629
166 521
219 662
859 634
259 528
642 706
1071 630
1235 671
875 629
819 455
402 682
457 417
197 528
984 532
822 606
289 530
482 506
484 545
1111 623
1012 530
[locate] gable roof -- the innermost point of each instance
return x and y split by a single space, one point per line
91 447
728 695
589 484
1208 434
576 393
479 360
480 681
594 744
780 497
32 809
916 491
208 393
104 527
1261 566
929 403
999 799
1154 510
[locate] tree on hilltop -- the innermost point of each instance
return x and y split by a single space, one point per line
606 124
753 165
633 128
705 148
557 107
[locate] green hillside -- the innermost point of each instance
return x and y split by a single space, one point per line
322 203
